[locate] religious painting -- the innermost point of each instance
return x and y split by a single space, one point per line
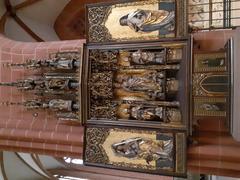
137 85
136 20
208 62
210 106
150 151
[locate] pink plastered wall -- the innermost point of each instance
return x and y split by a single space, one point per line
212 40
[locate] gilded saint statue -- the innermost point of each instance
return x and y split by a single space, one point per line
173 115
61 84
60 105
58 63
147 113
148 20
157 113
172 85
53 104
63 63
46 84
64 109
136 83
143 148
150 83
142 57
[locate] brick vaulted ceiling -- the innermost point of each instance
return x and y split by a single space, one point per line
30 20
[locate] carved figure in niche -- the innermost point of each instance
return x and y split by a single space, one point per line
172 85
149 113
174 55
151 83
44 84
59 104
65 109
144 57
173 115
140 112
63 63
54 104
134 83
148 20
61 84
143 148
217 62
146 113
59 63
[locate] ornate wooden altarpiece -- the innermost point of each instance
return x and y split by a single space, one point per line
137 89
135 86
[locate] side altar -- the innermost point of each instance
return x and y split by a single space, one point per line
148 90
136 86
